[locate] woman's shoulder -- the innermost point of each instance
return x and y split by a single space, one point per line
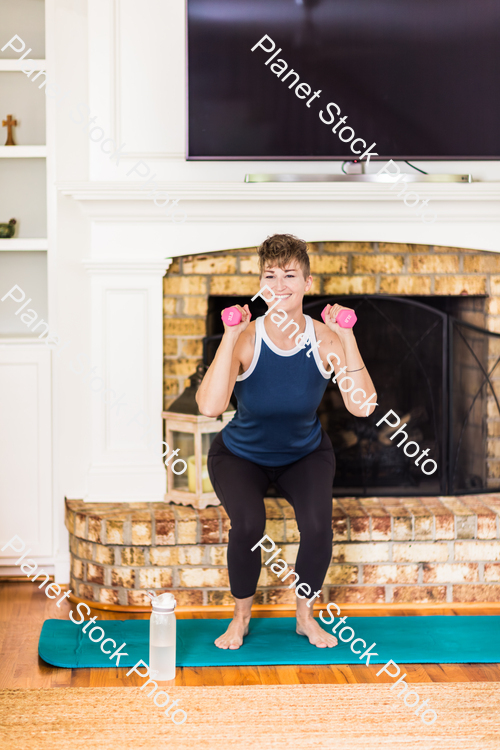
330 342
246 345
323 333
250 331
248 335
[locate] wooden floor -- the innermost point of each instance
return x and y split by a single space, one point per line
24 608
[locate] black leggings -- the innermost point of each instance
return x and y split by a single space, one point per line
307 485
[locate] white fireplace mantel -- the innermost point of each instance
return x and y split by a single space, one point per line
228 215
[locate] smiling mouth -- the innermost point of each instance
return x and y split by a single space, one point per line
283 296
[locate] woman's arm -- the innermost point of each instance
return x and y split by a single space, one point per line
345 359
216 388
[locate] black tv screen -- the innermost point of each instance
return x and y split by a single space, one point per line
417 78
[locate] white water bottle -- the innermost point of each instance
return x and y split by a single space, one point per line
162 632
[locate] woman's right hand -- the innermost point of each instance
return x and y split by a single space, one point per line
246 316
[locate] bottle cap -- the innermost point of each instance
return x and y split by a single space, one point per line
163 603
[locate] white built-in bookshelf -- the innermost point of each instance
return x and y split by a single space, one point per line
23 167
26 427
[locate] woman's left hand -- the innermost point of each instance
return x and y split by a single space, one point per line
331 313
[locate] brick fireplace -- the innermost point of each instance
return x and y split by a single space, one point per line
338 268
391 549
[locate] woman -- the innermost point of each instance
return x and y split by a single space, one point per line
275 435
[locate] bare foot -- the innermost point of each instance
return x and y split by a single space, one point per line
233 637
317 636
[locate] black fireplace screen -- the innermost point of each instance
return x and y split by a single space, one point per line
435 372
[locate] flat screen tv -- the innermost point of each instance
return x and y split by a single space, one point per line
420 79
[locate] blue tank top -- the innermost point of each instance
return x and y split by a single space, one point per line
276 421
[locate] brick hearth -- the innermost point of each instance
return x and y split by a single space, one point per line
386 550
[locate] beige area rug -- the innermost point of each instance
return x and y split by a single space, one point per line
340 717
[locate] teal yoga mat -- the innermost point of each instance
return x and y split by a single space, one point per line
273 640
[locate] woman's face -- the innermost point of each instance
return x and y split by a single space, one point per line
288 284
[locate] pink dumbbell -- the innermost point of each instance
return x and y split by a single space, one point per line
231 316
345 318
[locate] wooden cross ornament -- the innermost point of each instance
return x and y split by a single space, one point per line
9 123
